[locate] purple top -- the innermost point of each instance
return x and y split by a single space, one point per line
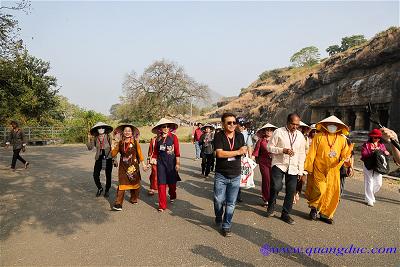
366 149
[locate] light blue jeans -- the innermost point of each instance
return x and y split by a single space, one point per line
225 193
198 149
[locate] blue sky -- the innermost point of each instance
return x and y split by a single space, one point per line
92 45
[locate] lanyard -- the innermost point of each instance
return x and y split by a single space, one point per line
127 147
334 141
231 145
101 142
292 138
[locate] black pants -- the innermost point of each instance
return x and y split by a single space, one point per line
342 182
276 186
15 157
206 163
97 170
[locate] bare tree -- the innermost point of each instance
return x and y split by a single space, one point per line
162 88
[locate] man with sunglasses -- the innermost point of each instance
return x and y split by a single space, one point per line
229 147
288 148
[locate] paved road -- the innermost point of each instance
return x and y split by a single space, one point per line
49 216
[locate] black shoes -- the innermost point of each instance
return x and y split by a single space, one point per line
99 191
106 194
326 220
313 214
117 207
226 232
286 218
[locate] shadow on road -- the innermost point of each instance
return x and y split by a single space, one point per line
57 196
257 236
216 256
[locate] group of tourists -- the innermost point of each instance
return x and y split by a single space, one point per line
163 160
319 155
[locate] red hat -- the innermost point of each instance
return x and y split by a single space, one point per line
375 133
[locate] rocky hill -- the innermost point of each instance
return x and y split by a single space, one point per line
342 84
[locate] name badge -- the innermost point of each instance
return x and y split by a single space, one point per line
162 147
232 159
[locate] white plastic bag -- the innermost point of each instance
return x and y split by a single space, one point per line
247 175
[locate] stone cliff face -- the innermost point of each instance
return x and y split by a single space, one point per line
341 85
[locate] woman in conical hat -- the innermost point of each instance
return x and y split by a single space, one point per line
166 156
131 156
327 153
264 158
100 139
207 148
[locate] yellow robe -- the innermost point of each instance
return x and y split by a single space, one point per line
323 181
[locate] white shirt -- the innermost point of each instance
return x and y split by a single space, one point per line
281 139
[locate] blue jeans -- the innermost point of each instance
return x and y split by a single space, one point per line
225 194
198 149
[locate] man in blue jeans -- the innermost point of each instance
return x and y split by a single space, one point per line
229 147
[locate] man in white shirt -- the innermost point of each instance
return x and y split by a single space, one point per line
288 148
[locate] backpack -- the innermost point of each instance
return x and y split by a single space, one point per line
378 162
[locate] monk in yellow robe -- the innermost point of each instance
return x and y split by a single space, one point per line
327 153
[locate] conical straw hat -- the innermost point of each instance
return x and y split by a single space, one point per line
135 131
173 125
335 120
265 126
302 124
108 129
208 125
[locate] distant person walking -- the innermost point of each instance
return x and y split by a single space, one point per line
17 139
207 149
197 133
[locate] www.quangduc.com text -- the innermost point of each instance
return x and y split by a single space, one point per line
267 250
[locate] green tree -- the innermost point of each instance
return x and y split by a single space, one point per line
333 49
351 41
307 56
347 42
26 89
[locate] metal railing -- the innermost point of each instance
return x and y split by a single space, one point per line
36 134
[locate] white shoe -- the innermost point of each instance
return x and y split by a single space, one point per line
371 204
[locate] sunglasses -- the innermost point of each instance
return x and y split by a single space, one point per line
231 122
164 126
